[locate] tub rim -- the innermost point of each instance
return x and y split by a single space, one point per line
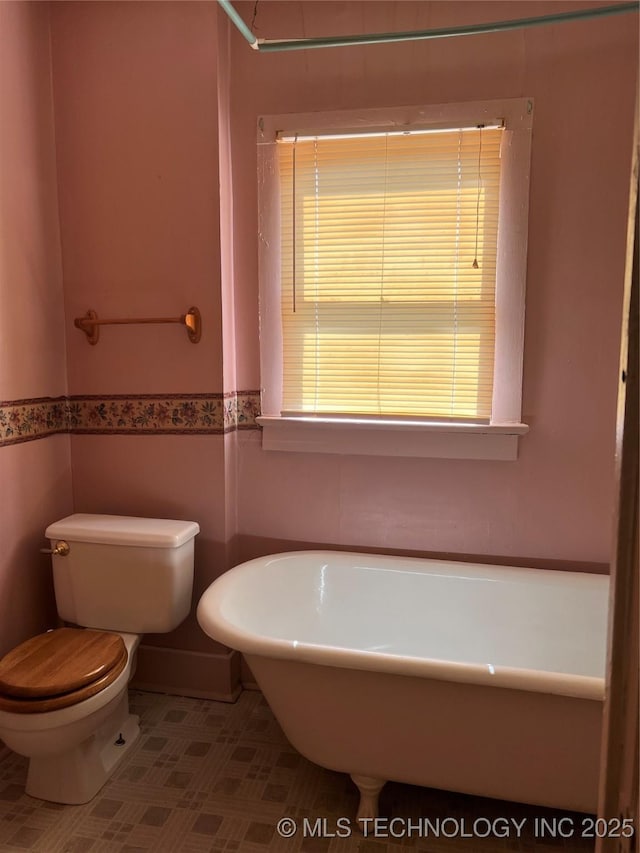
216 625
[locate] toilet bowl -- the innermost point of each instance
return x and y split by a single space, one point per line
74 749
63 693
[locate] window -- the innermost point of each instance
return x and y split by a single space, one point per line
392 279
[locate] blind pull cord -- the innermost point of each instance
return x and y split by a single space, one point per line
293 227
475 264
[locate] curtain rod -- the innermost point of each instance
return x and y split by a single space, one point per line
274 45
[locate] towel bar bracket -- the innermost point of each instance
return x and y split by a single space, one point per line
90 324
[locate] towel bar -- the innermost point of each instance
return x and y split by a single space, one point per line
90 324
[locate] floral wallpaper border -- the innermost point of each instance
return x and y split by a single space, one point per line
26 420
128 414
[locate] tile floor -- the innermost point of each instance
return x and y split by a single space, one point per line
209 776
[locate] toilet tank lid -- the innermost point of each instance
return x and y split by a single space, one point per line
123 530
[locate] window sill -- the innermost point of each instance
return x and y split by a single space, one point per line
398 438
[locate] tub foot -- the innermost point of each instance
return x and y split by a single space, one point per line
369 793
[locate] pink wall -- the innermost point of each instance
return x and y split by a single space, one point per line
555 502
136 96
36 475
155 110
135 89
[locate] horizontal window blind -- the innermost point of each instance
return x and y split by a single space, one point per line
388 267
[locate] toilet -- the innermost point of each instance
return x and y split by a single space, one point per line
63 693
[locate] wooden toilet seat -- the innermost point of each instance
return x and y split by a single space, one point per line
59 668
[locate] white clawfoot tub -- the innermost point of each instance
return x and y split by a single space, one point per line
481 679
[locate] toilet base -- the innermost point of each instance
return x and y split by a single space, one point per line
75 776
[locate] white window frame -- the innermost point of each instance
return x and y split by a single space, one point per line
415 438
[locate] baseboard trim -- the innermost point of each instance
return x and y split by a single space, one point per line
190 692
247 678
187 673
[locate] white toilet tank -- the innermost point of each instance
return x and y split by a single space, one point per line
123 573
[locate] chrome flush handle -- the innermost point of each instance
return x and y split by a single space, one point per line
61 549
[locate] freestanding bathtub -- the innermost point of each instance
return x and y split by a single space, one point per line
482 679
